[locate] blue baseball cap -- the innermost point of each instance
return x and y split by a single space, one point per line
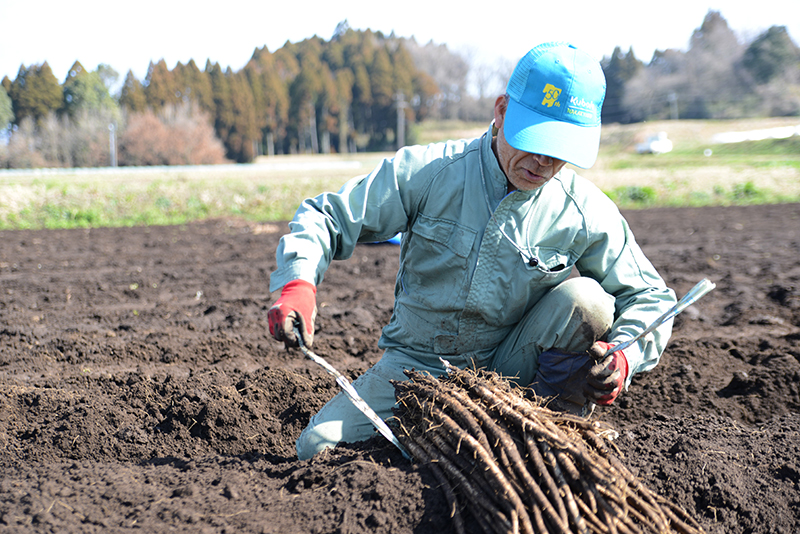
555 94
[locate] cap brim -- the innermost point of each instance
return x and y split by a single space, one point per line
529 131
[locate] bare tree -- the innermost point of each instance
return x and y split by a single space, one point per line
713 89
701 83
448 70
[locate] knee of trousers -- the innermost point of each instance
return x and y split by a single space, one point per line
339 420
316 438
588 300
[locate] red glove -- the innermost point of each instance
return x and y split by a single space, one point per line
607 377
296 303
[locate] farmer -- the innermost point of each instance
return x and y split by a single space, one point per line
491 231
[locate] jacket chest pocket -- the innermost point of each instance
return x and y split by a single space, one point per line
529 281
435 268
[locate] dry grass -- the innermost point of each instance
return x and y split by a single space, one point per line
685 176
681 185
271 188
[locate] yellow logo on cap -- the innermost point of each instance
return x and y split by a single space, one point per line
551 93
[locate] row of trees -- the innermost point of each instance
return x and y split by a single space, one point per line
352 93
313 96
356 92
718 77
79 124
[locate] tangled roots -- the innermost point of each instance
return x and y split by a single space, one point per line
517 466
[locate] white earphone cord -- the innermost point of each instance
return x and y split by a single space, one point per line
529 258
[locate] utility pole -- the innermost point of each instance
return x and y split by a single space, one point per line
673 105
112 144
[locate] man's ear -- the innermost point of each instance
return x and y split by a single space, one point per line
500 106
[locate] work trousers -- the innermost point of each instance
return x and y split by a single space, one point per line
545 351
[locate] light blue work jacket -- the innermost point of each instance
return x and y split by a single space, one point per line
474 258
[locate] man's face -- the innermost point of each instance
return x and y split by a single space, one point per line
525 171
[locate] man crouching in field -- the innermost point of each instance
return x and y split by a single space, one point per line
492 228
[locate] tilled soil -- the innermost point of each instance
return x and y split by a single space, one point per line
140 390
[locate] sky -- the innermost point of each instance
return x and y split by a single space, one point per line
128 35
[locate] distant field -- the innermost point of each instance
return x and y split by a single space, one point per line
270 189
698 171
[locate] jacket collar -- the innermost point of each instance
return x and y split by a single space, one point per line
496 181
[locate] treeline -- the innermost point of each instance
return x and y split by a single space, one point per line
718 77
356 92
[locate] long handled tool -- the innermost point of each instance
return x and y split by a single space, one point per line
352 394
694 294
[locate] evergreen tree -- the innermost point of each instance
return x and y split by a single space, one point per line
224 117
403 77
362 97
383 117
359 53
403 69
771 54
220 90
304 91
243 133
270 97
344 90
619 69
334 53
160 86
382 79
328 109
6 110
260 111
132 97
194 85
277 103
287 64
772 65
35 93
85 92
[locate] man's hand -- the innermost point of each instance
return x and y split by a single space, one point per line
296 303
607 377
